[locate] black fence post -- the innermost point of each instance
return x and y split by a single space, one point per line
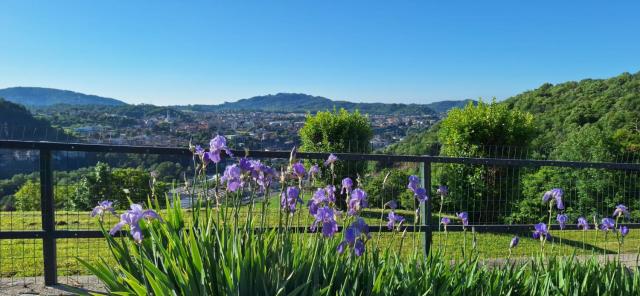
48 218
425 208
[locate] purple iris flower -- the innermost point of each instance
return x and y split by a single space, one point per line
319 198
232 176
347 184
262 174
393 219
103 207
132 218
314 171
445 221
556 194
330 160
357 202
354 237
199 150
442 190
514 242
624 230
562 220
541 232
216 146
392 204
582 223
331 193
414 182
621 210
421 194
246 164
464 217
608 224
325 216
298 170
290 198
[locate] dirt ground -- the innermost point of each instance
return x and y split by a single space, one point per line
75 285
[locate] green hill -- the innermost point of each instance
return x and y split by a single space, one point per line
292 102
39 96
16 122
570 115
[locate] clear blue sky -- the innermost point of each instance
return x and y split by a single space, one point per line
389 51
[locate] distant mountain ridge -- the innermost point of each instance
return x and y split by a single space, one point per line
40 96
280 102
296 102
445 106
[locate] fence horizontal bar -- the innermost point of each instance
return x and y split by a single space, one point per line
11 144
516 228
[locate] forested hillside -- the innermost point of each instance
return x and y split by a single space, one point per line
16 122
593 119
41 96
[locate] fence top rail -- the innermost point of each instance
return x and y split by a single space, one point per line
103 148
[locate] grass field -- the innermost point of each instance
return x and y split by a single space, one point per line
23 257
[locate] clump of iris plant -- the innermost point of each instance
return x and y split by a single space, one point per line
132 218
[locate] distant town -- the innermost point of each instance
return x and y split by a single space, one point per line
251 130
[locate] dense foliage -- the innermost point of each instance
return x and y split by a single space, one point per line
120 185
81 189
611 106
590 120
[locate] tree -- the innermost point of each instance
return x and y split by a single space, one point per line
119 185
476 131
338 131
27 198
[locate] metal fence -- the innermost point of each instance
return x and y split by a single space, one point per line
47 241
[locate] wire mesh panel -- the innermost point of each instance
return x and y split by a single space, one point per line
21 261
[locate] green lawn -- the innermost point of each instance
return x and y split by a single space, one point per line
24 257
